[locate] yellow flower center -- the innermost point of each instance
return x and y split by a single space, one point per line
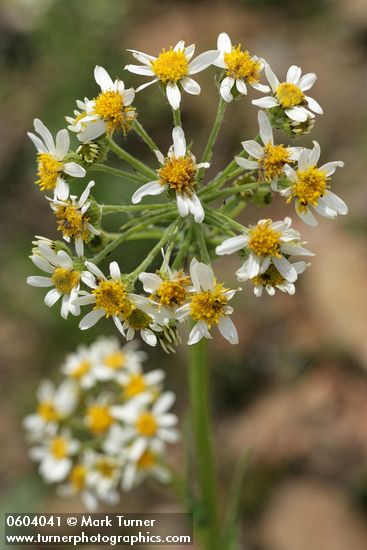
49 169
47 411
270 277
139 319
135 385
71 222
289 95
209 305
146 424
105 467
171 66
264 241
111 296
311 184
110 107
59 447
241 65
179 173
99 418
271 164
146 461
115 360
65 279
172 293
81 369
77 477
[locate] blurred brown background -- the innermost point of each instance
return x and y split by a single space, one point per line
295 390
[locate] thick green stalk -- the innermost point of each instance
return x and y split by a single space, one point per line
116 208
134 162
207 526
208 151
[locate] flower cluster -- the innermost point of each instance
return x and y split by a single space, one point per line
189 224
105 426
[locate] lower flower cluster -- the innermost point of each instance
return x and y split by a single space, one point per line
105 426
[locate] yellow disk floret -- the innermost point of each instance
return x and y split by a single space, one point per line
105 467
271 277
311 184
139 320
146 424
47 411
112 297
71 222
115 360
77 477
81 370
49 170
264 240
135 385
65 279
99 418
147 460
170 65
209 305
110 107
172 293
179 173
271 164
59 447
289 95
241 65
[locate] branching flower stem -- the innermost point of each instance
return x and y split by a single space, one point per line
208 151
130 159
138 127
128 176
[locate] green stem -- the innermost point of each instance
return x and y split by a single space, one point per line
142 235
208 151
181 255
169 233
176 117
134 162
129 176
145 136
228 191
202 437
112 208
200 236
126 234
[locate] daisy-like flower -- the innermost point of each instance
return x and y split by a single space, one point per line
267 243
98 417
64 279
76 122
73 218
142 466
146 422
55 456
80 366
309 187
52 170
111 359
177 173
166 287
111 110
54 405
103 476
271 280
208 305
289 95
76 485
268 159
241 69
135 382
130 312
174 69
